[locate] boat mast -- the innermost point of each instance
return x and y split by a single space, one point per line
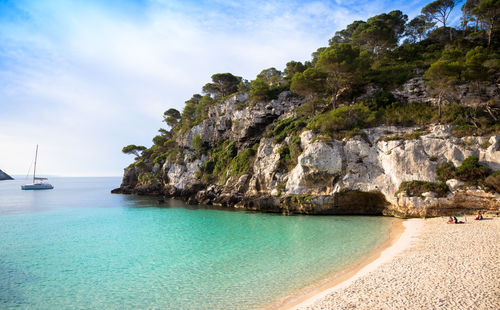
34 170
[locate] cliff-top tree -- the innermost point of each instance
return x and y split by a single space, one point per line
259 90
468 16
479 66
439 11
488 12
380 32
443 75
133 149
345 35
293 67
417 28
309 84
223 84
272 76
316 54
267 85
171 117
194 111
343 65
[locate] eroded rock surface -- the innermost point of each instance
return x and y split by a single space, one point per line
359 175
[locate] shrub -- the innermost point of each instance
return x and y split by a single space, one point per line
285 128
391 75
357 132
445 171
470 121
417 188
147 178
486 144
289 153
140 164
464 131
407 136
198 145
412 136
301 198
284 152
471 171
407 114
241 163
160 159
380 99
343 118
174 152
219 160
390 138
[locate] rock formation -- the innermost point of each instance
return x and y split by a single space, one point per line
5 176
354 175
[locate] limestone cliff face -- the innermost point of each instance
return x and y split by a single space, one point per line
357 175
371 165
235 119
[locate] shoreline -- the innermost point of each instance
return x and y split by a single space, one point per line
445 267
402 231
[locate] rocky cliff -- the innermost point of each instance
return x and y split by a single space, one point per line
5 176
354 174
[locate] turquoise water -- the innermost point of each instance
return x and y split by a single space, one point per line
79 247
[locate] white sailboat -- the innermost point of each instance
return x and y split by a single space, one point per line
38 183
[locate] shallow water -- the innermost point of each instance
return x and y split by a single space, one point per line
78 246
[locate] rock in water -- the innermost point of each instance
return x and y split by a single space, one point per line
5 176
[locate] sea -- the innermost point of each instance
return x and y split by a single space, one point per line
80 247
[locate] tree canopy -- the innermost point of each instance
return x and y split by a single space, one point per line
309 83
171 117
380 32
343 65
439 11
417 28
223 84
293 67
488 12
133 149
443 75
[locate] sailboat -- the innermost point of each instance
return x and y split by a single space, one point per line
38 183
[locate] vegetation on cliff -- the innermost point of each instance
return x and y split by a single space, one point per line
417 188
352 84
470 171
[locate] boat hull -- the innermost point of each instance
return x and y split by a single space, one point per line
40 186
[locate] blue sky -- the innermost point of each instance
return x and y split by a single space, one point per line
84 78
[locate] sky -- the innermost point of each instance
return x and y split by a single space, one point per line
84 78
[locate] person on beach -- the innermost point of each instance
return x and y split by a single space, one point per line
479 216
456 221
450 221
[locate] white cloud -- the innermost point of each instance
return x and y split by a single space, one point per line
83 81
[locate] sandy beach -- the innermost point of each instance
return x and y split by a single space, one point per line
432 265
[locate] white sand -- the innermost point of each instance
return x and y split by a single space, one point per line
432 266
